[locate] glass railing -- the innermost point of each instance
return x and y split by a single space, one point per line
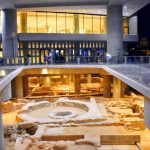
134 67
75 60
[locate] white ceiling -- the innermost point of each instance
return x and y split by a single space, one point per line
74 6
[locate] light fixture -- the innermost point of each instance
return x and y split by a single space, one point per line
2 73
44 71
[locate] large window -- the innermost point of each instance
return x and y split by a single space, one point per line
61 23
96 25
51 22
103 25
88 24
81 24
41 22
70 27
32 22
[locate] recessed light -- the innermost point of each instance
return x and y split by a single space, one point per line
125 7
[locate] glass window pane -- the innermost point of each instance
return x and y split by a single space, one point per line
41 22
18 22
88 24
96 24
125 26
61 23
0 23
81 23
103 24
31 22
51 22
69 23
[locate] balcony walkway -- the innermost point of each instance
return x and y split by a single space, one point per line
135 75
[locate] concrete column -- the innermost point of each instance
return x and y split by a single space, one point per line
9 33
6 93
70 79
76 23
77 84
2 143
118 88
25 85
114 29
89 78
61 78
107 86
46 81
147 112
23 22
17 87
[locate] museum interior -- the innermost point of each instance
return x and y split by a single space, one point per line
66 81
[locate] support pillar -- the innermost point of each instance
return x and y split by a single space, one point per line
89 78
17 87
9 33
46 80
118 88
2 143
114 29
6 93
107 86
77 84
70 79
147 112
23 22
25 85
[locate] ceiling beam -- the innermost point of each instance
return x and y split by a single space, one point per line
33 5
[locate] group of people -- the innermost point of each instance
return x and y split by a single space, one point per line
48 59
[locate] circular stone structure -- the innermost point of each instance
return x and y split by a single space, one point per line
61 111
63 114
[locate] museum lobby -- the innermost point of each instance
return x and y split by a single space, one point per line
66 79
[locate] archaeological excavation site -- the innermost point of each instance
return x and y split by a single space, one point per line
72 109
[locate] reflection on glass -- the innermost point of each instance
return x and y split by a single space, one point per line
61 23
41 22
31 22
51 22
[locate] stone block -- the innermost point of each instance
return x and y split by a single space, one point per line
120 139
62 137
